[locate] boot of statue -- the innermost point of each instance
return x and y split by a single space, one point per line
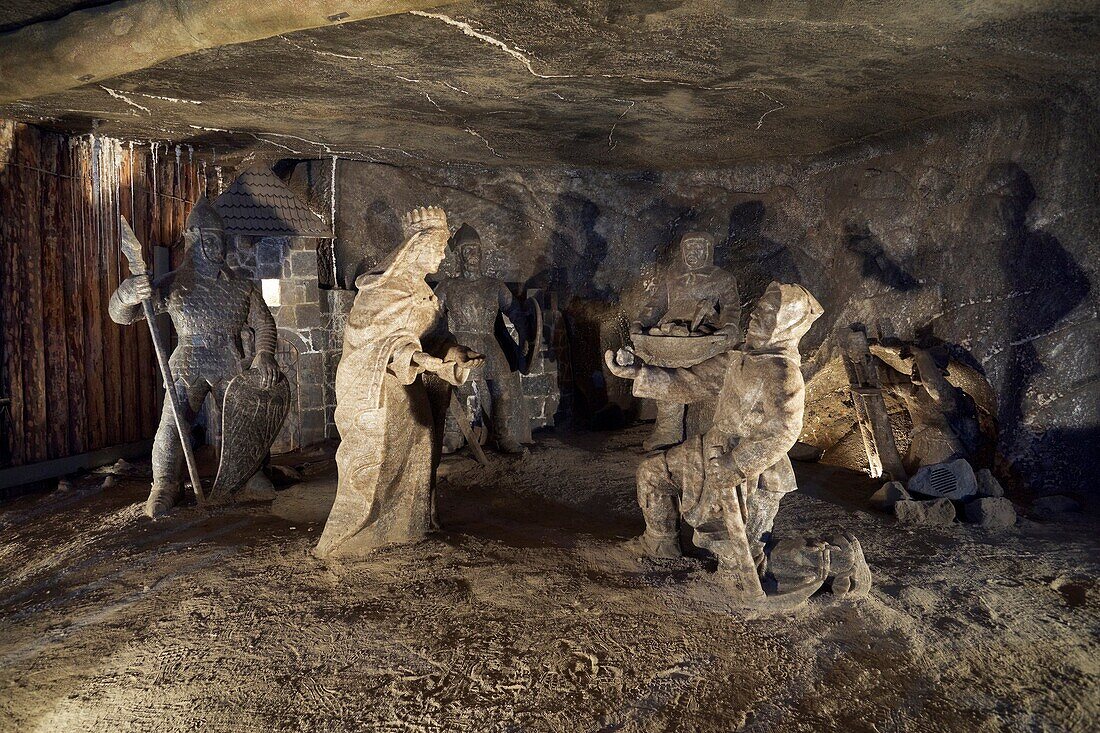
161 499
660 547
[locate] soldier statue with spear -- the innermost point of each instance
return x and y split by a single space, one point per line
210 305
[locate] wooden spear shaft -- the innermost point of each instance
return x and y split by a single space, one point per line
131 248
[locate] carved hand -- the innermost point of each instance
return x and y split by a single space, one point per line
265 364
427 362
465 356
621 363
135 289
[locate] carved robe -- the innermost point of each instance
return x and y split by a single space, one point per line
390 416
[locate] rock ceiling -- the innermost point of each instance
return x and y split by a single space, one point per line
649 84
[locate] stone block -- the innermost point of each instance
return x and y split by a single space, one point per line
288 294
311 368
951 480
988 485
269 252
332 363
933 513
991 512
304 264
890 494
265 271
285 317
308 315
539 384
296 291
1046 507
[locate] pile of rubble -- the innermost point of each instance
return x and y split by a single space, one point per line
936 494
939 494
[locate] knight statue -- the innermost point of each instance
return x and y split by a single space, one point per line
209 305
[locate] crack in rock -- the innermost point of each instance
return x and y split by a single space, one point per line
760 122
469 30
481 137
120 96
611 133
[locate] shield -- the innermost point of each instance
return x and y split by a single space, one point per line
251 418
533 311
521 356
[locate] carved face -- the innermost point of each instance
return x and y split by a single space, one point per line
762 322
207 243
469 257
695 251
781 317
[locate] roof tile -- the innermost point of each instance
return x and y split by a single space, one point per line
258 203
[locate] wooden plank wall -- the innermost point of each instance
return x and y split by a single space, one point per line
76 380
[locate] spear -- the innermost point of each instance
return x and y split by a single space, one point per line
131 247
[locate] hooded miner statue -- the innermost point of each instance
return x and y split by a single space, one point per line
695 298
210 306
727 482
473 302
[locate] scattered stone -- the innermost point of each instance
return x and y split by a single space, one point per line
257 488
890 494
65 485
121 467
285 474
988 485
933 513
109 481
1049 506
991 512
953 480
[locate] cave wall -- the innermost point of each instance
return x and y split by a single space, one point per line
978 232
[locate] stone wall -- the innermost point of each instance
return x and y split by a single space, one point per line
311 323
980 233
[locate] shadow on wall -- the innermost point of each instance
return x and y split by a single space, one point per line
577 250
877 264
754 257
1035 262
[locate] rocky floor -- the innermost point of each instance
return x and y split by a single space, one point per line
529 614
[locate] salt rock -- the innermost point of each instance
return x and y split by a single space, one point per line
988 485
933 513
951 480
1047 506
890 494
991 512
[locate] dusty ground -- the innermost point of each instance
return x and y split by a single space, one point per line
529 615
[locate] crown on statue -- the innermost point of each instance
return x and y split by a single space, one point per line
424 218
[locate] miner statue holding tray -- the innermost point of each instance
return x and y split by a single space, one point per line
727 481
697 299
210 305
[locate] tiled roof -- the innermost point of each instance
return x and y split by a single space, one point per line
261 205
